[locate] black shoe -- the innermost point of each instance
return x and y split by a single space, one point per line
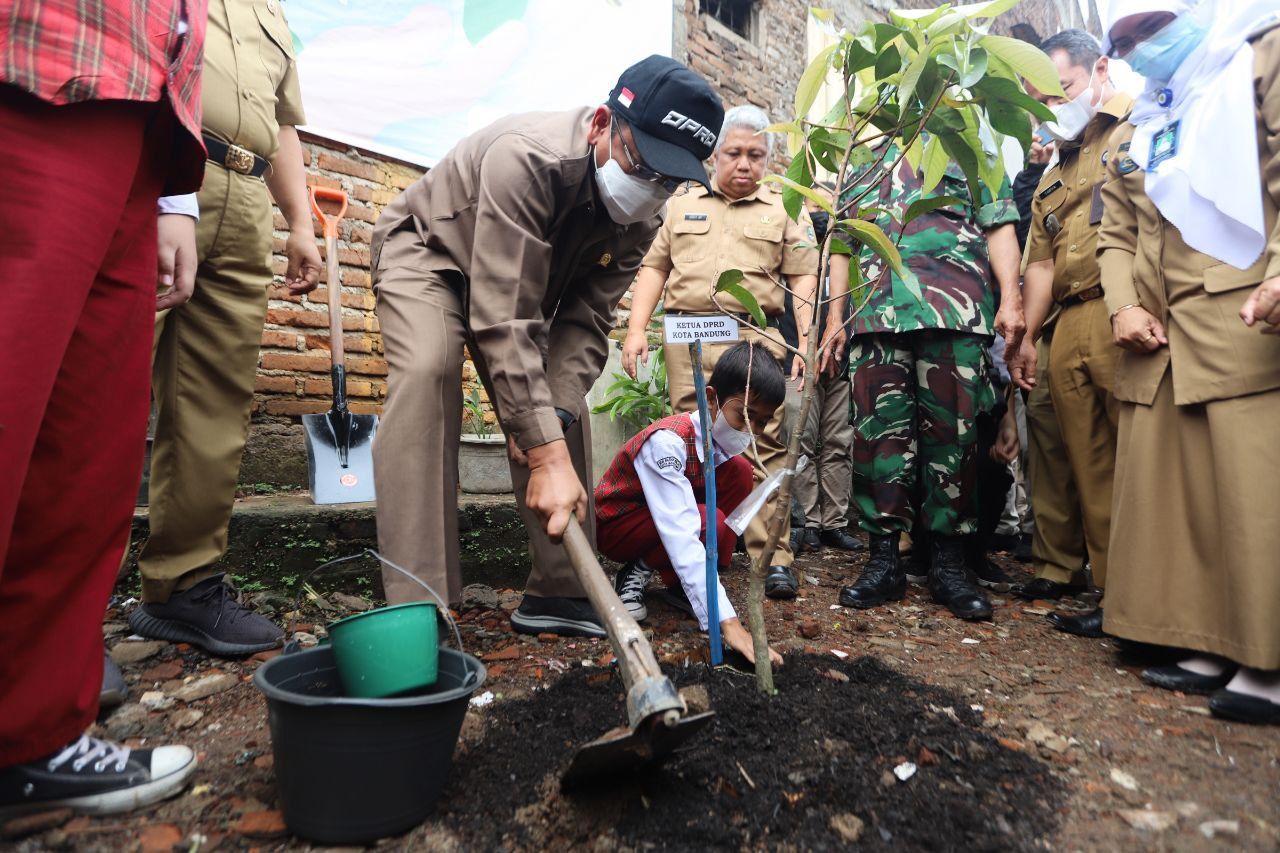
1244 708
1085 625
949 582
568 617
991 576
114 690
805 539
209 616
1041 589
1022 550
95 776
1174 677
841 538
780 584
676 597
881 580
629 584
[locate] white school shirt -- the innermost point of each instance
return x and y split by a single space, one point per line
669 494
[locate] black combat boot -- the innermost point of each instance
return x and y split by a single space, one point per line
949 581
881 579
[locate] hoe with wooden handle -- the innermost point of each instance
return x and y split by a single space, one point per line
658 720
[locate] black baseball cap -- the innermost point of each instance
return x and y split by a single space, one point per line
673 113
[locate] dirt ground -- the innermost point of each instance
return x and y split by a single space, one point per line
1023 738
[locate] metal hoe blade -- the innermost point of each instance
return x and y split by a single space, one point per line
625 750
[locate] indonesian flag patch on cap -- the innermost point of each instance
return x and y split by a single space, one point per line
626 96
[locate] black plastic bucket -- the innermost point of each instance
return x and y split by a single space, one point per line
353 770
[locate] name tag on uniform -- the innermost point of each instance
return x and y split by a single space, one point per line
1050 190
713 329
695 217
1164 145
1095 209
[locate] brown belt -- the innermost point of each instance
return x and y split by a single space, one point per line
1089 295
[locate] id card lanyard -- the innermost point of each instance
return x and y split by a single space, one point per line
1164 144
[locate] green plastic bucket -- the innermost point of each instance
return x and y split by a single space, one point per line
389 651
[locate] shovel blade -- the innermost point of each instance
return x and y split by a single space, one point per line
624 751
333 439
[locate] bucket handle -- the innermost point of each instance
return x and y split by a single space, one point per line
444 605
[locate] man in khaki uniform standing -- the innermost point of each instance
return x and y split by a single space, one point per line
1066 214
519 244
736 224
206 351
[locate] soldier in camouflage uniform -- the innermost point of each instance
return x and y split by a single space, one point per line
919 374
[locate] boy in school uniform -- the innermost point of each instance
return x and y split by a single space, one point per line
650 514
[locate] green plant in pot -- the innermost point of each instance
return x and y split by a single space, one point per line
482 453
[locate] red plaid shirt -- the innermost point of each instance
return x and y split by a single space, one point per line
619 491
68 51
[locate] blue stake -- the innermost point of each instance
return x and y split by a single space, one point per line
709 475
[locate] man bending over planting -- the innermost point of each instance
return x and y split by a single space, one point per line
649 504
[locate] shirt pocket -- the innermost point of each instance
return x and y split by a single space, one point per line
275 47
763 245
690 239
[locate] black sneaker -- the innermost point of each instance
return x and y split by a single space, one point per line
209 616
990 575
568 617
839 537
95 776
114 690
629 584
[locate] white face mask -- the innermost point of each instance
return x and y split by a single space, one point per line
627 198
731 441
1072 117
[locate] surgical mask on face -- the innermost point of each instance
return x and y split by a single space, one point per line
627 198
731 441
1159 57
1071 118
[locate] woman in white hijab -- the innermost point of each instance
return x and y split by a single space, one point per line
1190 258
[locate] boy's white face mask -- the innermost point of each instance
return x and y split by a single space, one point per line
731 441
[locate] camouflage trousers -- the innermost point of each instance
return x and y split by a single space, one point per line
916 399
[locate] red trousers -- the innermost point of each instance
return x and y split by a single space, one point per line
634 536
77 305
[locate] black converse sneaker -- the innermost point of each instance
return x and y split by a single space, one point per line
95 776
629 584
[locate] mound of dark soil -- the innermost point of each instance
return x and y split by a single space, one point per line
810 767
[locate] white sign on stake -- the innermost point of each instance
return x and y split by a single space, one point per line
685 329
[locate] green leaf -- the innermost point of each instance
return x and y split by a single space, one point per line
1026 60
812 79
839 247
728 278
962 151
935 163
945 119
889 62
870 235
1009 91
986 10
748 301
921 206
824 15
798 175
1011 121
911 76
977 68
859 55
815 197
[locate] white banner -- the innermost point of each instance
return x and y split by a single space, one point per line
409 78
685 329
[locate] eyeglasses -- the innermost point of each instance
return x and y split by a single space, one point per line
642 171
1124 45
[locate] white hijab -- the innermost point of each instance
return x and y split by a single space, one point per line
1211 189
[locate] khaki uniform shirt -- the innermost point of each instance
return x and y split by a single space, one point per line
250 77
1066 210
704 235
514 209
1213 354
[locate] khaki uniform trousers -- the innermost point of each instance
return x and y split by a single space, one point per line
1057 545
822 488
1082 372
204 362
684 399
415 454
